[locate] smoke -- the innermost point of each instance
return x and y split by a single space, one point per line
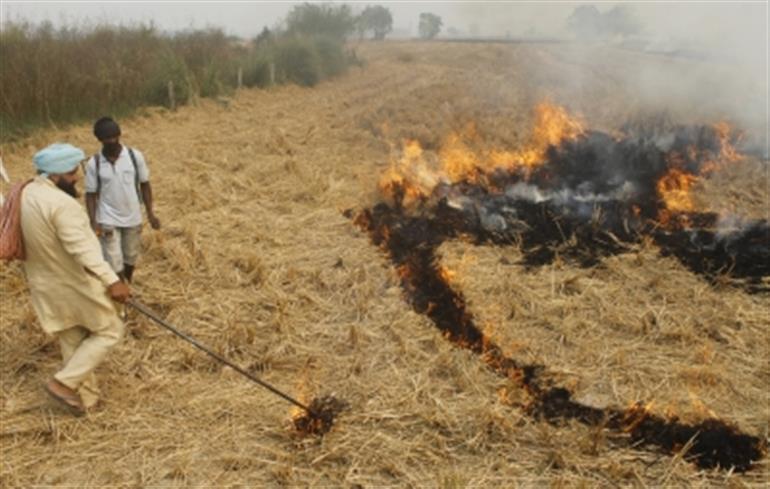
597 196
726 44
698 62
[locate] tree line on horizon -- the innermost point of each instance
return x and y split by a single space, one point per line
374 20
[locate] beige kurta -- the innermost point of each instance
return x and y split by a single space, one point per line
60 247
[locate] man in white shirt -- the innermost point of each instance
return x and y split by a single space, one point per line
116 179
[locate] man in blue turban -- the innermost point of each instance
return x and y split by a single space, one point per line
60 161
71 285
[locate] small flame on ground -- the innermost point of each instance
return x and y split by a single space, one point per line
489 330
675 187
302 396
699 407
728 153
301 393
446 274
320 419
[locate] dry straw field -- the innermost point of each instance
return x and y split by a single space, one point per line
257 259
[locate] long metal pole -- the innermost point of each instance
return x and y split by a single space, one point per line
152 315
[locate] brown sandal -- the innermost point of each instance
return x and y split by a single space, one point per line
66 397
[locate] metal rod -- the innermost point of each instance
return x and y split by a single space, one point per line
152 315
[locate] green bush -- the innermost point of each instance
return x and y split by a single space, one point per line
331 56
297 61
256 70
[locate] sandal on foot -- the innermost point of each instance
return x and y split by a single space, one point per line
66 397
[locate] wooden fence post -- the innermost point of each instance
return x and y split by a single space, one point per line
171 96
272 73
240 77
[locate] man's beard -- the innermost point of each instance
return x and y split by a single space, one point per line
68 188
111 149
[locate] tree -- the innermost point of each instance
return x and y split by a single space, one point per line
264 37
430 25
621 20
377 19
334 21
585 22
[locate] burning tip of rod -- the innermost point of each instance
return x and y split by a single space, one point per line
321 415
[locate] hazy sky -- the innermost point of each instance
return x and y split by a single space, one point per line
745 22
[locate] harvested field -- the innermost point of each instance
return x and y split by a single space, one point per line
258 258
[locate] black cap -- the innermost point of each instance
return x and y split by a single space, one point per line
106 128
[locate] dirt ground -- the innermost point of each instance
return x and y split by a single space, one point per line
256 259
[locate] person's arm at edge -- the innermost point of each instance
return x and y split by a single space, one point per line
91 201
145 188
92 197
147 199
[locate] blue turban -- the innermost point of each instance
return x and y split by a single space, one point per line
58 158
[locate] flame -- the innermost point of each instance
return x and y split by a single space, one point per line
462 156
700 407
302 394
413 174
727 153
674 190
553 125
489 331
447 275
635 414
459 161
712 161
675 187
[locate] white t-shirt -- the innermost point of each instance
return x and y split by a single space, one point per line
118 203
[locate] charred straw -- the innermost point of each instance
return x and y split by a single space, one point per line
593 196
411 244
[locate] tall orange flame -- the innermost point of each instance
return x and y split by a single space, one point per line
463 157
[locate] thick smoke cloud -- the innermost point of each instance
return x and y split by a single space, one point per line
700 61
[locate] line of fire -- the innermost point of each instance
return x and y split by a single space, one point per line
579 195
